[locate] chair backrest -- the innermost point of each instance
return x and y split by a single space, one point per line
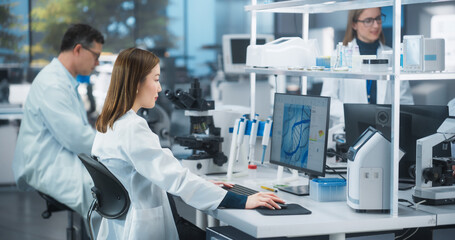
112 197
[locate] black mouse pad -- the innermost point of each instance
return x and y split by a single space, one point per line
292 209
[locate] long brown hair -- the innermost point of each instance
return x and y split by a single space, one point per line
350 33
130 68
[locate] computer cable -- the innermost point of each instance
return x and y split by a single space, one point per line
407 201
332 153
334 171
418 204
405 232
412 234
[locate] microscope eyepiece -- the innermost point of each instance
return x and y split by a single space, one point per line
170 95
191 100
178 92
185 98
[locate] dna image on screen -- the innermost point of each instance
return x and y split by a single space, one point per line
296 134
299 132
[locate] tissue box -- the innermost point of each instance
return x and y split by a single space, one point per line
328 189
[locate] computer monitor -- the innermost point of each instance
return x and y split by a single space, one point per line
416 121
234 51
299 134
3 74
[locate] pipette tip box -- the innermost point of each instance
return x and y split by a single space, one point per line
328 189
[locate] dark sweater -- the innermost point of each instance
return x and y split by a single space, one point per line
368 48
233 200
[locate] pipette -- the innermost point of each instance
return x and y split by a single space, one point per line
266 137
240 135
253 136
233 148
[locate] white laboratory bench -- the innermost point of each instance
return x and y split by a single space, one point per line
445 214
329 218
335 219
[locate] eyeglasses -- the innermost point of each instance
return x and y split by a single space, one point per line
368 22
95 54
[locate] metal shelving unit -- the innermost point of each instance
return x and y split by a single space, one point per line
321 74
380 76
306 7
326 6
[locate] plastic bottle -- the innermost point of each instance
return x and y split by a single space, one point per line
348 53
401 56
356 60
339 55
252 171
333 60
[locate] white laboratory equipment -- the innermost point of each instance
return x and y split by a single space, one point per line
423 54
369 172
433 179
283 53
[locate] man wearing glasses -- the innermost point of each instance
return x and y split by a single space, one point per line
363 31
54 127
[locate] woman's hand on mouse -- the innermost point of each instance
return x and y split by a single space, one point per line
263 199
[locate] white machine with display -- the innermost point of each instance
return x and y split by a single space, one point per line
423 54
283 53
369 172
434 175
234 51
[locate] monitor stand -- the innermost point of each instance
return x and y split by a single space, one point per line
299 190
302 190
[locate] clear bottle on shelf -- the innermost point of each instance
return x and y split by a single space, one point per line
356 61
348 53
336 60
340 55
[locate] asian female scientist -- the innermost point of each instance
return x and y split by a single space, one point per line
125 144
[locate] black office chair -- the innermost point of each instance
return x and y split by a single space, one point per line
111 199
53 205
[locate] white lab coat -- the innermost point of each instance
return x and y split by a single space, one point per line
354 91
132 152
53 131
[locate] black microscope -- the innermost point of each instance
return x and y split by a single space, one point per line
204 138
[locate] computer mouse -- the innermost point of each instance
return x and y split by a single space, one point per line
282 205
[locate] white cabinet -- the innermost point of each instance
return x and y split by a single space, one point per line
306 7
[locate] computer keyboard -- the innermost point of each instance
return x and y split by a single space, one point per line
242 190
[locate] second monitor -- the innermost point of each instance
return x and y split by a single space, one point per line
300 126
416 121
